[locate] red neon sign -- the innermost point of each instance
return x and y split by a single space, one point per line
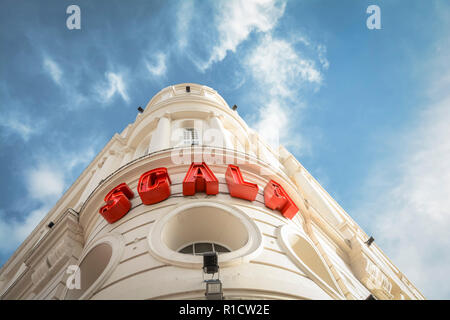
117 203
276 198
200 178
154 186
237 186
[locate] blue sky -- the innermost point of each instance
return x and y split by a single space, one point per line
365 111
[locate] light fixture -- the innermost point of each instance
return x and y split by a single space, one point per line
210 263
213 289
369 242
140 109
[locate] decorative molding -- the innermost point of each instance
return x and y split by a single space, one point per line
63 241
117 243
369 273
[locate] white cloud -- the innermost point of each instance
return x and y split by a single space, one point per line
45 182
157 67
21 125
113 85
280 73
277 65
185 13
236 20
13 231
24 130
410 216
409 201
322 51
23 229
53 69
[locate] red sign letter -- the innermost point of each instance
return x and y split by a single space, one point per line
237 186
117 203
200 178
276 198
154 186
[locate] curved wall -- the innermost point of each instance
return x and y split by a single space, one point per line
258 269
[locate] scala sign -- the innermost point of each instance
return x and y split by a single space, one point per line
154 187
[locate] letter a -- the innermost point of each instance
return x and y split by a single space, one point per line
374 21
200 178
73 21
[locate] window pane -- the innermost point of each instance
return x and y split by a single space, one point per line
188 249
219 248
191 137
203 247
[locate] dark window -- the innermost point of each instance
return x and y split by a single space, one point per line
199 248
191 137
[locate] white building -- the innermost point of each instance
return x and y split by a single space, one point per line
154 251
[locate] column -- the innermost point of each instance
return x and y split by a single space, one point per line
100 173
108 166
161 136
128 155
216 123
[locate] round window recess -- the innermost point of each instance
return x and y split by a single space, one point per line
305 255
205 222
96 265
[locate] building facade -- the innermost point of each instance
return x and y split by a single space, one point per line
189 177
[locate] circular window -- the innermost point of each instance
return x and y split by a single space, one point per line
96 265
183 235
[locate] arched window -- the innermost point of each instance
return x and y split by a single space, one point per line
199 248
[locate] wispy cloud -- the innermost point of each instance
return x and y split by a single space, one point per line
237 19
233 22
53 69
282 73
280 68
45 184
410 216
14 231
20 125
184 16
114 84
409 204
157 65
